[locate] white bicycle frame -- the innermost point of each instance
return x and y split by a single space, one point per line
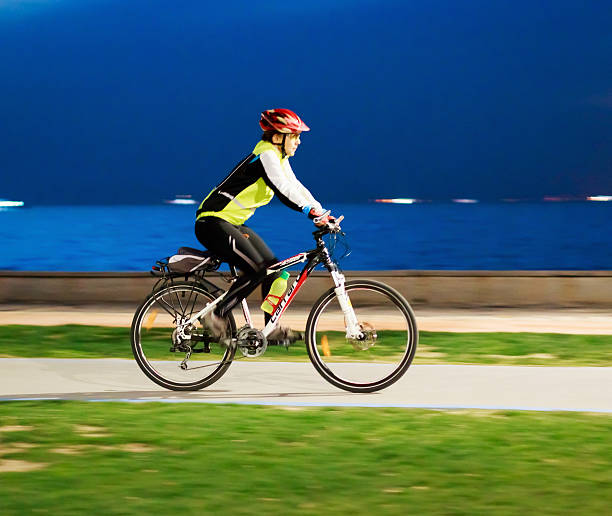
353 329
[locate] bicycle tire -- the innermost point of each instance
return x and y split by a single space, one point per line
381 359
150 362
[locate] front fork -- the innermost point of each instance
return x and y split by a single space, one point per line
353 328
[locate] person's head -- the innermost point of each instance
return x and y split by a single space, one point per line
282 127
287 143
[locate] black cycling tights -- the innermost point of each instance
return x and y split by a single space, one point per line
242 247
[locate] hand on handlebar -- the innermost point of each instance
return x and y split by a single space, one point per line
321 218
326 220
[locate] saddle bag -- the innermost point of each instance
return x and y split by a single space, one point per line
189 260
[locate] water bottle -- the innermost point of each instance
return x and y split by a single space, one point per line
277 289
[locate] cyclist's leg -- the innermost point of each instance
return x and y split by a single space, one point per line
269 258
231 244
281 333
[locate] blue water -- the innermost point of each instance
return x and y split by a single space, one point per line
548 236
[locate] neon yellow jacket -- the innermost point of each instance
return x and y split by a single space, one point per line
253 183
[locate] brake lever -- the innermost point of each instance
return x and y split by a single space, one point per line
335 225
318 219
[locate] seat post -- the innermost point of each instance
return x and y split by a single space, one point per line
245 307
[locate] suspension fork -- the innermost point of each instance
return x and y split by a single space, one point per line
353 329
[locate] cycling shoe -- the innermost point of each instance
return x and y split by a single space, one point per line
283 336
216 325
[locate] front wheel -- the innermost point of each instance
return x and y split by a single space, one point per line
382 352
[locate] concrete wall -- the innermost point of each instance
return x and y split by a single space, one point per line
591 289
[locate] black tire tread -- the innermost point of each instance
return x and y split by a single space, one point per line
311 344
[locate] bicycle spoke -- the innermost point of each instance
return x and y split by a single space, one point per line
170 310
191 311
178 299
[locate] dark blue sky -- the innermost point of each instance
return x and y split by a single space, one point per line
107 101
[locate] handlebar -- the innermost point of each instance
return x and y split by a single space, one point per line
329 227
336 223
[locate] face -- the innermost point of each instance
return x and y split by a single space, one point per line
292 142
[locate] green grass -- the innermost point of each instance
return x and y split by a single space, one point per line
517 348
76 341
114 458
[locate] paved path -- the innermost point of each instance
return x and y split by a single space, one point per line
586 389
296 384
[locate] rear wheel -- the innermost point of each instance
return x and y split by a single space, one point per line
385 348
175 356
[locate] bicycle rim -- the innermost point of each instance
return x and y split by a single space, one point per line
163 354
375 361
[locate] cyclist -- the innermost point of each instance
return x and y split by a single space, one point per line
220 219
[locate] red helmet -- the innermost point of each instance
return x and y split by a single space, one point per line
282 121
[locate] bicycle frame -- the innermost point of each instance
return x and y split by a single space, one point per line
312 259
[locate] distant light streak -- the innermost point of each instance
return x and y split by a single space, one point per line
181 199
465 201
11 204
600 198
397 201
562 198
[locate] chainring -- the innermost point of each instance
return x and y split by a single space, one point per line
251 342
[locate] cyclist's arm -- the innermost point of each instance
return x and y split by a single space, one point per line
286 186
312 202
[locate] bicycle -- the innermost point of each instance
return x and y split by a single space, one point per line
361 335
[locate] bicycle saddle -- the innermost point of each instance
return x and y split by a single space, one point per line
195 252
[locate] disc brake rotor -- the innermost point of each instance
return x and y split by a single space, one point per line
180 338
369 337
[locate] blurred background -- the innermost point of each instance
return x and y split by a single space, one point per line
476 116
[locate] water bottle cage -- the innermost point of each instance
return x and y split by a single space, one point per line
274 305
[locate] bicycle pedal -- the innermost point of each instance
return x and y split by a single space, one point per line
285 343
